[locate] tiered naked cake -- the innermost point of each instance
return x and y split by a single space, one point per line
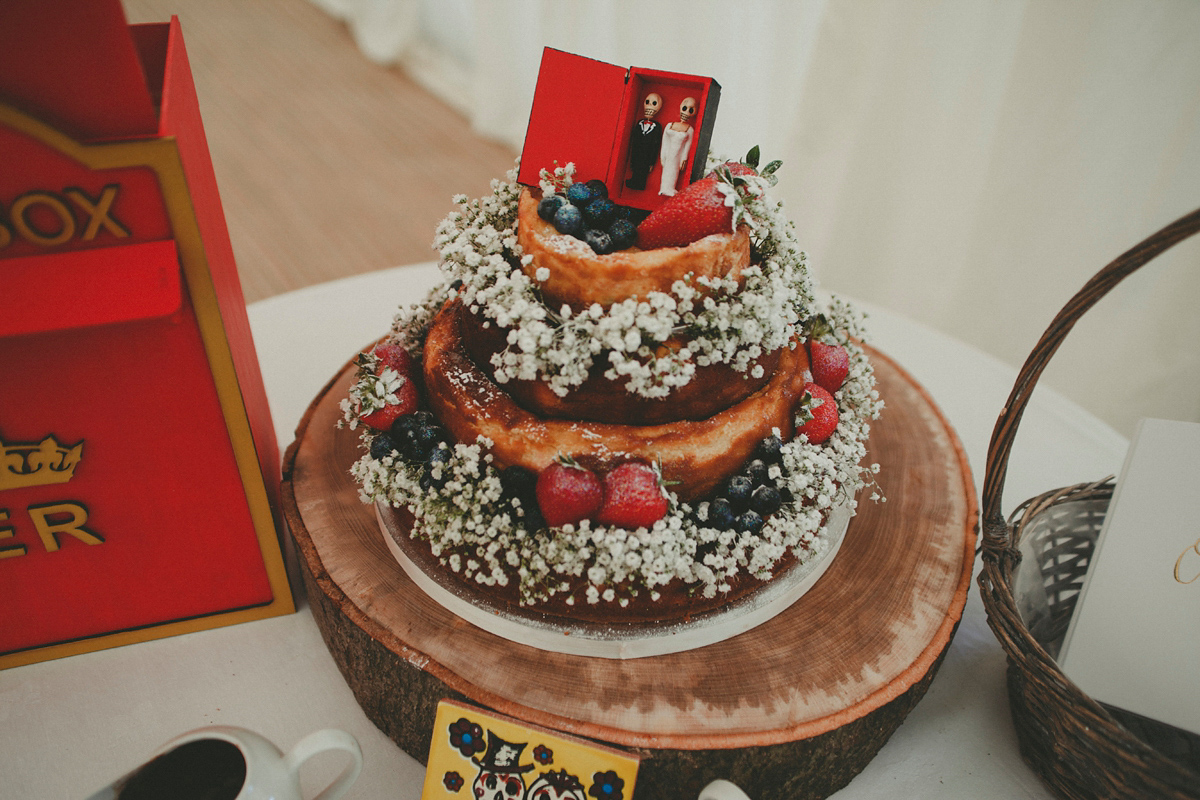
616 426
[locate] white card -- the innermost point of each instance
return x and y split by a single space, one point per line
1134 639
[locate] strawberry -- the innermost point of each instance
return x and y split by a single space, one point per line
694 212
817 416
700 209
633 497
830 364
738 168
406 403
567 492
393 355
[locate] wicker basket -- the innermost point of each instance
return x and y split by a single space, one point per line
1033 567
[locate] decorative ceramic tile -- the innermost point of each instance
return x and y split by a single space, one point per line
480 755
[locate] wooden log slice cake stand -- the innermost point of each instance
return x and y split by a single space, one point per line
791 709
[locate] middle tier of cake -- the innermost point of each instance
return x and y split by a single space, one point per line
694 454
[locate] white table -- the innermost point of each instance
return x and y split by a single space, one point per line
69 726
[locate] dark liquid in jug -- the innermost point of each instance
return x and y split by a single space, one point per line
206 769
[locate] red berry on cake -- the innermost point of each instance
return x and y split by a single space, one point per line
694 212
568 493
633 497
713 204
406 403
395 356
817 414
830 364
738 168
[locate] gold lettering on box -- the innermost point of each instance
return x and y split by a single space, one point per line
9 550
1184 570
45 218
98 212
47 519
19 215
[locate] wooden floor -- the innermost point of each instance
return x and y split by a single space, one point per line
328 165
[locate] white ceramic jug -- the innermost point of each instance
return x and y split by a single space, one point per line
227 763
722 790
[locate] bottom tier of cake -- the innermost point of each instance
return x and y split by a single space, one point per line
676 629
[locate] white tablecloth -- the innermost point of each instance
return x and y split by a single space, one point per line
69 726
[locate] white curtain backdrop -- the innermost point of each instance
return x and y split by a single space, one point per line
968 163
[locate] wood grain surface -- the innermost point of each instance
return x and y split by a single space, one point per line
796 707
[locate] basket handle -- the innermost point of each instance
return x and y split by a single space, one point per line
995 529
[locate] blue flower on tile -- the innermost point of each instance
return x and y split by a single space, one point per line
607 786
467 737
452 781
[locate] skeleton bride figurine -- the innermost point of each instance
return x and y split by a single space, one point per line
677 140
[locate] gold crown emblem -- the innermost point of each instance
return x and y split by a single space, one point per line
37 463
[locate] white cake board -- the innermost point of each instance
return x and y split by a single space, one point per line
527 626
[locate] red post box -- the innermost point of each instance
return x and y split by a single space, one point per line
138 463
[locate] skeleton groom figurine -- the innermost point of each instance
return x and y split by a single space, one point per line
676 142
644 142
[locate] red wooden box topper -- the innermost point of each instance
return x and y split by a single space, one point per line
596 115
138 464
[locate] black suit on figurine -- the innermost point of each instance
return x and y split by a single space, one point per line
644 144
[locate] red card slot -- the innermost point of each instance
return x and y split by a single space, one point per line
89 287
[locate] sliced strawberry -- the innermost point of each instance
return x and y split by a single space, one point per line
830 364
633 497
568 493
817 414
406 403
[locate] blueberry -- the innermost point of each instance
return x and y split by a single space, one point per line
412 449
401 424
568 220
416 436
597 187
518 482
766 500
403 436
598 213
623 233
410 422
550 204
439 455
533 515
428 482
737 490
382 445
756 471
770 449
599 241
720 514
748 522
427 438
579 194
